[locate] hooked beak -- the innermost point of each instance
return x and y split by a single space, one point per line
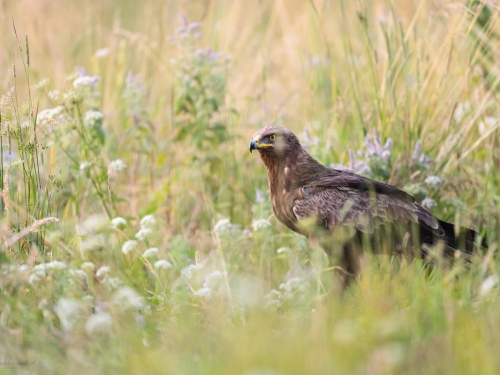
254 145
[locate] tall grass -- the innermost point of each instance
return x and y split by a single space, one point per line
138 235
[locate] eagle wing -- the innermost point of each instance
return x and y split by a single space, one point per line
337 198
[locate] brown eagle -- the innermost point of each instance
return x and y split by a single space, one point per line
347 213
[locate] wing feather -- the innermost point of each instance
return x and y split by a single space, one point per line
339 198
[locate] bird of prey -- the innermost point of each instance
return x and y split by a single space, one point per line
347 213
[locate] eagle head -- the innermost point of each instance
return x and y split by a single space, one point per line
274 141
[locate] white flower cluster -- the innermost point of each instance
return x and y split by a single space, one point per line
150 253
68 310
129 246
260 224
49 116
86 81
288 291
225 226
214 283
433 180
162 264
128 298
148 223
118 222
429 203
189 270
92 117
116 166
102 271
100 322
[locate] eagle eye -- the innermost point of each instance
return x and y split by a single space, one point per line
272 137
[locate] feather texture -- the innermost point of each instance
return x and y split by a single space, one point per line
310 198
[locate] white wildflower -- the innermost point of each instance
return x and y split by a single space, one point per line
118 222
88 266
188 271
42 84
223 226
273 299
116 166
292 287
85 81
92 117
215 280
43 268
79 274
487 285
162 264
429 203
260 224
103 271
433 180
151 252
283 250
84 165
101 52
460 110
67 310
113 282
23 268
129 246
485 125
100 322
143 234
54 95
48 115
126 297
34 278
204 292
148 221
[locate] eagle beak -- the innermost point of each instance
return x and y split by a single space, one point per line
254 145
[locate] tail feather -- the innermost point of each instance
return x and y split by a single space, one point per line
464 239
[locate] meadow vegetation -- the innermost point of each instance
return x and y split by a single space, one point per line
137 234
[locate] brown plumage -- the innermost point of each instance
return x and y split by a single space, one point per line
346 212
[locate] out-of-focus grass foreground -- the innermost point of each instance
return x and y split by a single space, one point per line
137 234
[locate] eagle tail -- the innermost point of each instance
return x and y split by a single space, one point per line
463 239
